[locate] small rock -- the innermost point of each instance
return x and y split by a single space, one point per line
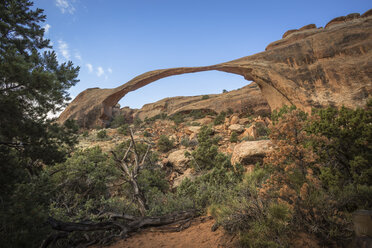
237 128
234 120
250 152
187 174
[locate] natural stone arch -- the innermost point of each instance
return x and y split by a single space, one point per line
308 68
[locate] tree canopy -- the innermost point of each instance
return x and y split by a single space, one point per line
32 84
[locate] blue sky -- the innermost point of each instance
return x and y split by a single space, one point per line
115 40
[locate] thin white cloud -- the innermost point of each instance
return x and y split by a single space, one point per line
46 28
100 71
63 49
65 6
90 67
109 70
78 56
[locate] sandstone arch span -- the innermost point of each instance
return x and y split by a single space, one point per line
307 68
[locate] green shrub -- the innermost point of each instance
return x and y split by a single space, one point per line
262 130
205 154
102 134
224 91
234 137
185 142
178 118
161 116
164 144
124 129
118 121
146 134
137 122
220 118
194 123
85 133
214 187
205 97
230 111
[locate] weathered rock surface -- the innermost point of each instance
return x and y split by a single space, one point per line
312 67
250 152
186 174
178 159
236 128
237 100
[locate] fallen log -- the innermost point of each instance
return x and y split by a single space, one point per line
128 224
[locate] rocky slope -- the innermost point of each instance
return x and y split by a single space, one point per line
246 98
307 67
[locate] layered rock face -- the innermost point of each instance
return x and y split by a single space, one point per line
248 97
309 67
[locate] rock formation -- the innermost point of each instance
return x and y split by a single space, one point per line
248 97
311 67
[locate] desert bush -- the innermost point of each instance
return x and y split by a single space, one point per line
213 187
234 137
146 134
161 116
124 129
262 130
85 133
164 144
81 185
299 187
102 134
178 118
220 118
185 142
347 152
205 97
118 121
205 155
137 122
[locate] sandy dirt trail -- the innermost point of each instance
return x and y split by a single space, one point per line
198 235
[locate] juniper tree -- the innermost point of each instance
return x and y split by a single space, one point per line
32 84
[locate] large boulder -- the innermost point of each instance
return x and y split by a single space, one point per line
178 160
250 152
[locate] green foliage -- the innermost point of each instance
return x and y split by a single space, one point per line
213 187
102 134
33 84
161 116
262 130
185 142
164 144
205 97
118 121
124 129
137 122
347 153
195 114
205 155
178 118
234 137
224 91
85 133
81 185
146 134
220 118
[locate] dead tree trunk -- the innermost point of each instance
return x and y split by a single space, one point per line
131 169
127 225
